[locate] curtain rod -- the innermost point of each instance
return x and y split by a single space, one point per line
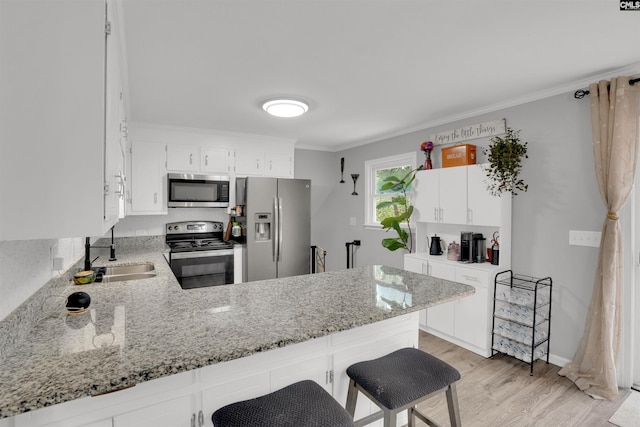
579 94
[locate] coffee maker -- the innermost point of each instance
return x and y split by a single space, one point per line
466 243
478 248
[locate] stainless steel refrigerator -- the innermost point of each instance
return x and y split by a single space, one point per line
278 227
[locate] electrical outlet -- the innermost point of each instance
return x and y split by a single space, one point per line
352 220
584 238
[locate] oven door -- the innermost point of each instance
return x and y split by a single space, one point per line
202 269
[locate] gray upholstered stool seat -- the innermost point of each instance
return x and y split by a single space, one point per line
399 381
303 404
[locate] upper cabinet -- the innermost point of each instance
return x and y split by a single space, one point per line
183 158
441 195
61 149
250 161
206 158
457 195
149 178
482 207
214 159
160 149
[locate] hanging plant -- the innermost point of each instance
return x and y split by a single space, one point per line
505 163
403 215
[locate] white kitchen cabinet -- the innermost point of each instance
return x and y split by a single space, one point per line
115 138
54 114
464 322
249 162
483 208
279 165
177 412
214 159
148 178
234 390
441 195
183 158
472 313
441 316
457 195
206 158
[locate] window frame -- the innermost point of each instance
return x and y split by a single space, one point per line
370 168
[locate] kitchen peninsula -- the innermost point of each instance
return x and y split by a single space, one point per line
202 347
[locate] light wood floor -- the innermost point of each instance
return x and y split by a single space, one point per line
500 392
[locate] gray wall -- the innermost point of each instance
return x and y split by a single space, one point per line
562 196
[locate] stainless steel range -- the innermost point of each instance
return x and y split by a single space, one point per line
199 257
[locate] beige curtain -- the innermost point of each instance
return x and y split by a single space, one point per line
614 122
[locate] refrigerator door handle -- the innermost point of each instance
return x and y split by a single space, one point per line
274 239
280 215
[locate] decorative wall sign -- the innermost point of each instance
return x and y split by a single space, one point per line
481 130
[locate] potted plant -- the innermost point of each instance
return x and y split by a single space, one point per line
505 163
398 185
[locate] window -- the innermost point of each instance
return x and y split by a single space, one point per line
375 173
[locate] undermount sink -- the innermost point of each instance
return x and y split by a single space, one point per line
120 273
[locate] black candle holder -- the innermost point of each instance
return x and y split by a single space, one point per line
354 177
342 170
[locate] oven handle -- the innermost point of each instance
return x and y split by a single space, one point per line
201 254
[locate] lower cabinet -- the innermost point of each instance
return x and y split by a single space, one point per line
466 321
171 413
189 399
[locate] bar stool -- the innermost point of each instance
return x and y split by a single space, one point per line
302 404
399 381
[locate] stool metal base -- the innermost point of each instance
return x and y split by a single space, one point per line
390 415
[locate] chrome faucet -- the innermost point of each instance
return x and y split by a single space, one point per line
87 252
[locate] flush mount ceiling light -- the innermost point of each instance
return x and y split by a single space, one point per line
285 107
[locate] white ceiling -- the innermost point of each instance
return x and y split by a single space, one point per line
370 69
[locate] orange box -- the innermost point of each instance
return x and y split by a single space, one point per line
459 155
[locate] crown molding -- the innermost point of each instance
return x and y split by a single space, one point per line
630 70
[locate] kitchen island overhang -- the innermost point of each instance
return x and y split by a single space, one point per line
159 329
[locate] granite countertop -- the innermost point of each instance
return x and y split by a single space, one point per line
140 330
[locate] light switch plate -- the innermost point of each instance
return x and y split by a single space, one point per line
352 220
584 238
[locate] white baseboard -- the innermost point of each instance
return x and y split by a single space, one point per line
553 358
558 361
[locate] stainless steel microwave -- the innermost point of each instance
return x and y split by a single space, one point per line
197 191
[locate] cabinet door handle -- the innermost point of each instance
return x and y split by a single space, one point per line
206 160
270 164
200 418
441 211
471 278
469 216
155 198
435 214
190 159
257 164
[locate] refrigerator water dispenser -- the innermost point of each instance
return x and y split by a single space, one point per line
263 227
